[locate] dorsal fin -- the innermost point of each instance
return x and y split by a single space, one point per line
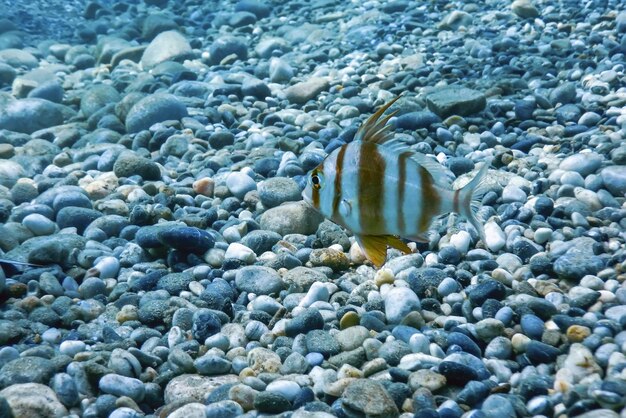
439 173
375 129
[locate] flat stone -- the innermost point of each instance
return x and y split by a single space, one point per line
455 100
33 400
304 91
166 46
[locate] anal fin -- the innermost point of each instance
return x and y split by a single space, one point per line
375 247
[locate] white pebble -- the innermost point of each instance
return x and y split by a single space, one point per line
513 194
542 235
108 267
317 292
240 252
461 241
239 184
72 347
494 235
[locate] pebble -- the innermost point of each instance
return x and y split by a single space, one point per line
239 184
399 302
118 385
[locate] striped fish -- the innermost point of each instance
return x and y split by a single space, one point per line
380 190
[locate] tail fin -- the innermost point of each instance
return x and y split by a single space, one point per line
467 199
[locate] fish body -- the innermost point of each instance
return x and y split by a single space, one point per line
381 190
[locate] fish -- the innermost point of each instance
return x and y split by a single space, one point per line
382 191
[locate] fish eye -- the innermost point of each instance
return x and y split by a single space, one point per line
316 180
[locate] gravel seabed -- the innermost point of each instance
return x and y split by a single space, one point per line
152 155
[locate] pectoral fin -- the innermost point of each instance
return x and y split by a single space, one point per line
375 247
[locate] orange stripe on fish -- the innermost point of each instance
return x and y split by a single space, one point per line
371 186
431 200
338 179
402 162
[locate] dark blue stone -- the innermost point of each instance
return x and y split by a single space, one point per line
188 239
538 352
416 120
459 165
205 324
305 396
404 332
456 373
465 343
473 393
308 320
487 289
449 255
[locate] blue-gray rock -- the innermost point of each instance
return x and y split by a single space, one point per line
225 46
156 23
583 163
258 8
38 224
98 97
175 283
280 71
277 190
76 199
76 217
152 312
152 109
170 45
456 373
465 342
65 388
17 58
416 120
422 279
205 324
304 91
393 351
487 289
567 113
306 321
498 406
256 88
574 265
119 385
91 287
564 93
224 409
322 342
212 365
399 302
270 402
292 218
239 184
130 164
614 178
538 352
188 239
455 100
29 115
260 241
221 139
259 280
532 326
369 398
26 370
51 91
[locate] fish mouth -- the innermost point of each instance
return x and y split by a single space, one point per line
307 196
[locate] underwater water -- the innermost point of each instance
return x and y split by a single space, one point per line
157 257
